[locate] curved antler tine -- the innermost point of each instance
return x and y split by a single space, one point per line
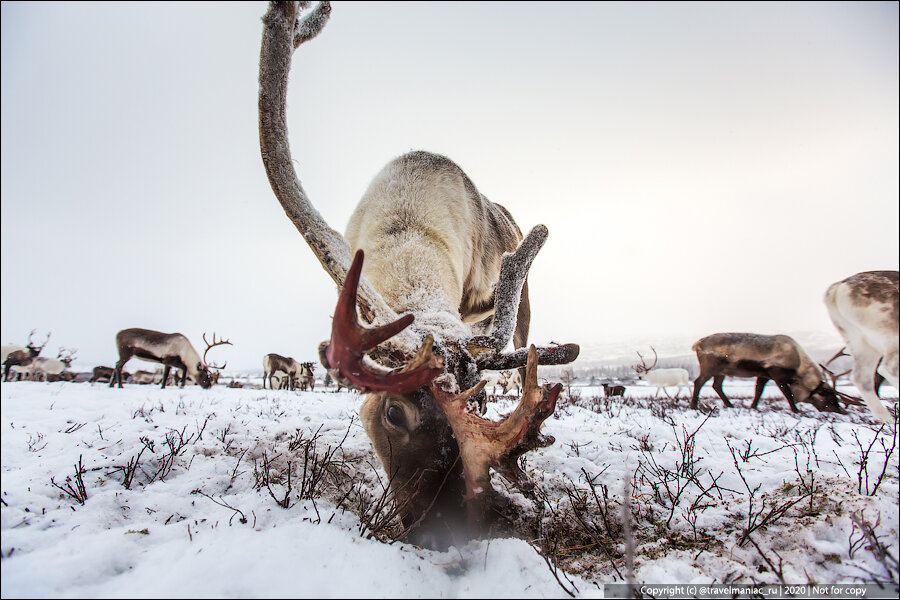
350 340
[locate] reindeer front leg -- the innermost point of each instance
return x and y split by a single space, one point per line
166 370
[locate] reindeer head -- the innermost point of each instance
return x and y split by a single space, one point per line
436 453
33 348
66 356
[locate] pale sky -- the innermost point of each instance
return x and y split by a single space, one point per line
700 167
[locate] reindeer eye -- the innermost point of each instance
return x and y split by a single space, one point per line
395 415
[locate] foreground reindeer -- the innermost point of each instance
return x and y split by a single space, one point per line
170 349
767 357
455 264
864 309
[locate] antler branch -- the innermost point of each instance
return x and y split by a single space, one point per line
484 444
284 30
508 291
210 347
350 341
546 355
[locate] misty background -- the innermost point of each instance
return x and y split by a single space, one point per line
701 167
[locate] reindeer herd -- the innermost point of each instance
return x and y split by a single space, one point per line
433 281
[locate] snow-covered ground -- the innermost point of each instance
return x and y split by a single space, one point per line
195 519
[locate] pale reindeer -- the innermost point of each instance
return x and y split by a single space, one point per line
170 349
455 264
864 309
778 358
663 378
20 359
51 369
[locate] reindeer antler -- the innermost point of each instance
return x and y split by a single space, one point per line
350 341
284 30
643 368
210 347
499 444
66 355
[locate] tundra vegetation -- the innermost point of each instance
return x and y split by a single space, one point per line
633 484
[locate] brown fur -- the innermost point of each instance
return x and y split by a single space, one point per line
170 349
766 357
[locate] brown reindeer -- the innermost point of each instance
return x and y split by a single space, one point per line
455 265
170 349
21 356
273 363
306 380
766 357
865 309
612 389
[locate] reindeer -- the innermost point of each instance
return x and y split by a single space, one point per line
104 374
662 378
51 369
146 377
170 349
864 309
455 265
766 357
273 363
611 390
306 379
21 357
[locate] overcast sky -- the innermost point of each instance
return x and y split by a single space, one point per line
700 167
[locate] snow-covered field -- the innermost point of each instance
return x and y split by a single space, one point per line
196 518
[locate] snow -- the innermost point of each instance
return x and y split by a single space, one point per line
205 529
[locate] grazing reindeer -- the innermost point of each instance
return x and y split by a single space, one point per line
272 363
146 377
663 378
864 309
766 357
51 369
456 265
21 357
612 390
170 349
105 374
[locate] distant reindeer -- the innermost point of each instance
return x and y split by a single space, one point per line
613 390
105 374
146 377
170 349
766 357
864 309
306 379
272 363
662 378
21 356
51 369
